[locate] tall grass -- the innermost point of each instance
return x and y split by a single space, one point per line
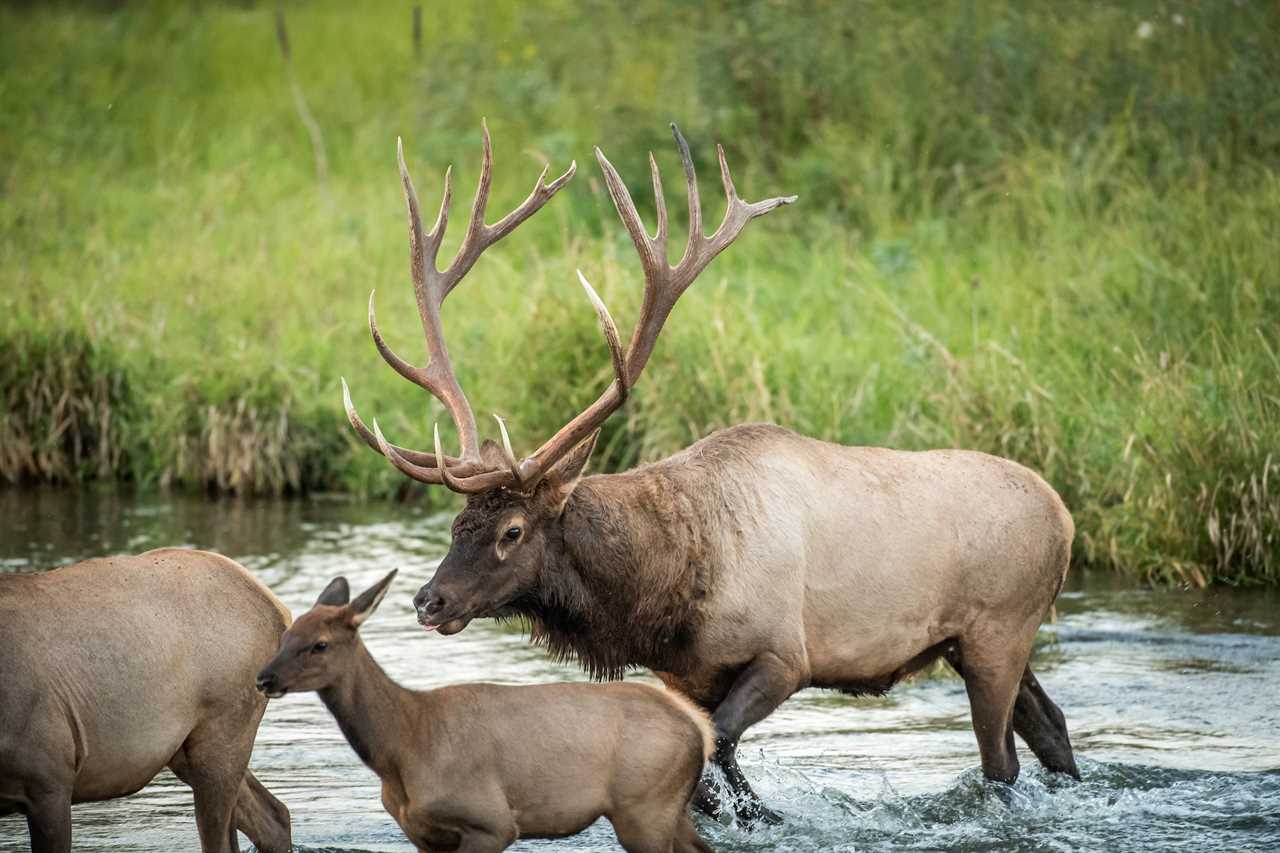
1047 231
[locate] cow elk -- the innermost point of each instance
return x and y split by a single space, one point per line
473 767
753 564
114 669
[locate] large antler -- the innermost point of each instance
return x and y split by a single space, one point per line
663 286
431 286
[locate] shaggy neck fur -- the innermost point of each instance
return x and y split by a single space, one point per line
626 589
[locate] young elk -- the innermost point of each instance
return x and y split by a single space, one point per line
753 564
113 669
473 767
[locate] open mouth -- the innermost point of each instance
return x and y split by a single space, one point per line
275 694
447 627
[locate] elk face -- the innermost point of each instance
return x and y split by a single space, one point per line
502 540
319 645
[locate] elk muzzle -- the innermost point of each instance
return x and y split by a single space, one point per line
433 612
268 683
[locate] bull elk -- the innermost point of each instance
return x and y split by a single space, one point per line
473 767
114 669
753 564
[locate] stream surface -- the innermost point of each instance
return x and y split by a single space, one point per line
1172 698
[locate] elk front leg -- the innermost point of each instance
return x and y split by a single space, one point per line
765 684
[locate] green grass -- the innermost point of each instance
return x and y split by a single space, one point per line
1022 228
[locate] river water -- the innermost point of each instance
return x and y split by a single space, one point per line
1172 697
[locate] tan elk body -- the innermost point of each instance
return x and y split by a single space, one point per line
473 767
113 669
753 564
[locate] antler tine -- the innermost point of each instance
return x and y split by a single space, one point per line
482 482
660 238
653 252
422 475
512 463
417 457
611 337
695 203
701 249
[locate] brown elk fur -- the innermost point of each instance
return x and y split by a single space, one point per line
759 562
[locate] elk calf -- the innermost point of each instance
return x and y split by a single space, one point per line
114 669
473 767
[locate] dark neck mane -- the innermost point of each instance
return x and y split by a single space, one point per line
629 587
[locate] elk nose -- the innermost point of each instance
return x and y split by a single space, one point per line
266 682
427 603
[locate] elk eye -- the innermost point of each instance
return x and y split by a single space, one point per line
513 533
319 647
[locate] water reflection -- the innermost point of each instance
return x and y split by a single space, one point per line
1170 696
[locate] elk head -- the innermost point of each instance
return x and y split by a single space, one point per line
319 645
507 532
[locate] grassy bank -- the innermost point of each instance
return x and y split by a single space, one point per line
1049 233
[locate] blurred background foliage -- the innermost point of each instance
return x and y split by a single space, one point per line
1048 231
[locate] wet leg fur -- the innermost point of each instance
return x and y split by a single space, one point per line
1040 723
262 817
213 762
991 678
759 689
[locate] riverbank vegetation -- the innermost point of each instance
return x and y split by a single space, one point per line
1050 232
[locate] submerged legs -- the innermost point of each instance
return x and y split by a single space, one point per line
1005 699
1042 726
759 689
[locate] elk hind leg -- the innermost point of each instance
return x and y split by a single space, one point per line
1040 723
259 815
213 763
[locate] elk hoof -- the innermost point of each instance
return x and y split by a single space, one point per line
755 814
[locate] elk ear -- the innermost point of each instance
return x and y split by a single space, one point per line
563 477
491 454
336 594
367 602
